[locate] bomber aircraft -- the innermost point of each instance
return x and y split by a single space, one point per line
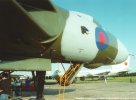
108 70
35 33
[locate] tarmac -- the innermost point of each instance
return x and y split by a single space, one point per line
87 91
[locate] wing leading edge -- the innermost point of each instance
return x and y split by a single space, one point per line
35 64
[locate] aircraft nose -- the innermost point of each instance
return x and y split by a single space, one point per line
122 54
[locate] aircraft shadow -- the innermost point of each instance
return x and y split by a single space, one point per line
56 91
46 92
51 83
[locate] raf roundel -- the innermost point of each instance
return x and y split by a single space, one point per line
101 38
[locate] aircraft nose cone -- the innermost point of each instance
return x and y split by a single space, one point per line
122 54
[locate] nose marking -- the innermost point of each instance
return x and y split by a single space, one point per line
84 30
101 38
125 63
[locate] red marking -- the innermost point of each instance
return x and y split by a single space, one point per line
102 38
125 63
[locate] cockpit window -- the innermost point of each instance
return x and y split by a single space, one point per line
96 22
84 30
36 5
79 15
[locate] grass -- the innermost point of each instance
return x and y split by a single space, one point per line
129 79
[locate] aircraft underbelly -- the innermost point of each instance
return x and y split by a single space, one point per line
35 64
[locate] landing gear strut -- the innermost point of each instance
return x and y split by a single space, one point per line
39 83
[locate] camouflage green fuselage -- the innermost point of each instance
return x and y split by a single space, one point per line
40 29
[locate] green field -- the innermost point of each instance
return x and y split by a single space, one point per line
129 79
